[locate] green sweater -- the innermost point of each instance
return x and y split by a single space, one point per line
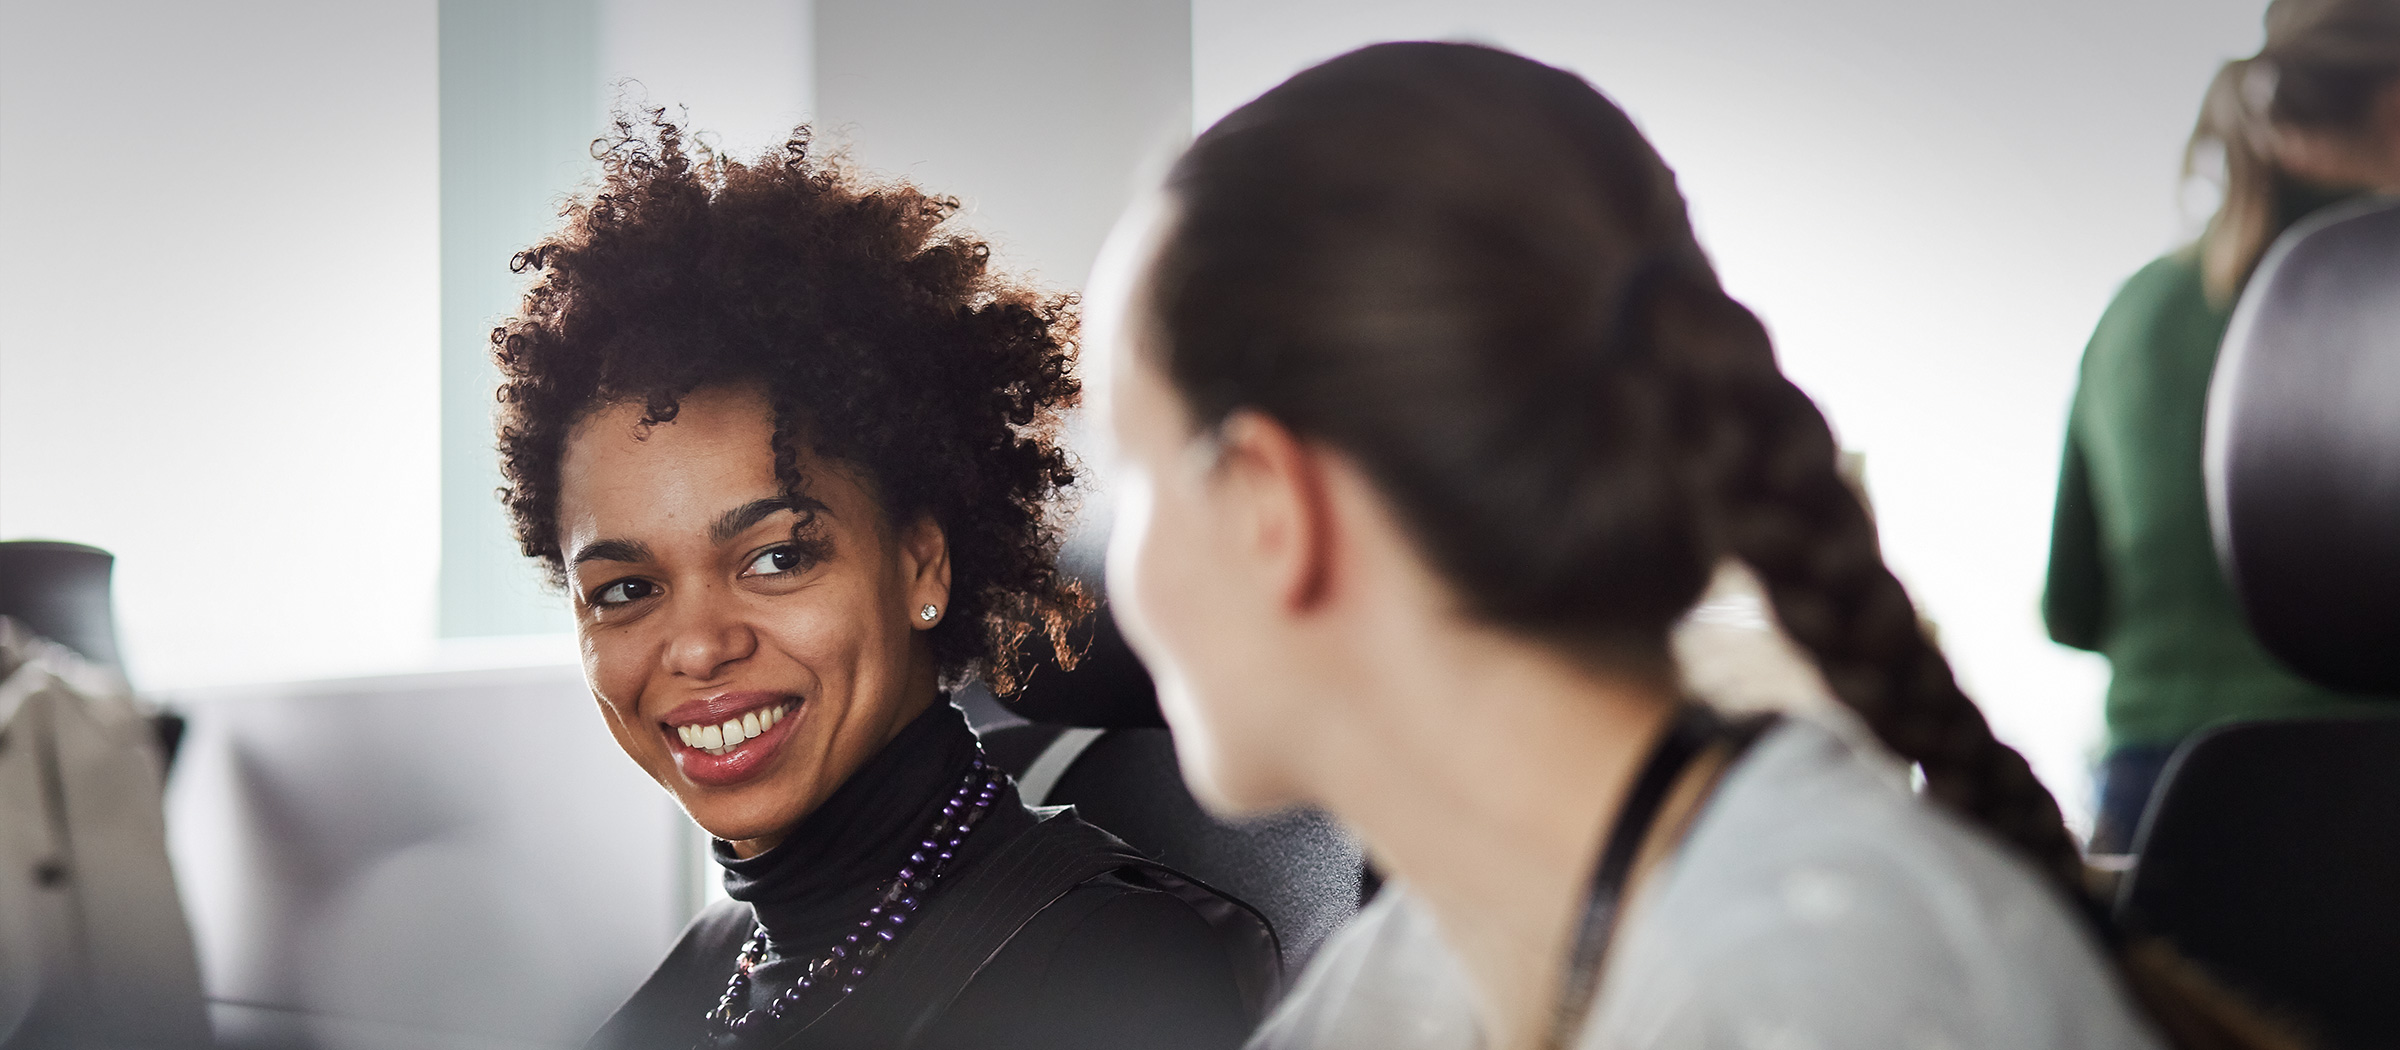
2133 570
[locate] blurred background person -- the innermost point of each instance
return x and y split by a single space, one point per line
2313 118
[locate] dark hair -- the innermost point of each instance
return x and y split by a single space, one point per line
874 327
1471 273
2325 64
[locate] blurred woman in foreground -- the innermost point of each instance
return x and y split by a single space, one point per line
2310 120
1432 420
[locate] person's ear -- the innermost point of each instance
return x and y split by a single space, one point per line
1274 485
925 565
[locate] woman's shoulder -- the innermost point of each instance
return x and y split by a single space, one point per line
2163 302
1385 980
1819 898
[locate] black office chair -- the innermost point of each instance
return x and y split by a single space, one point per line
1096 741
60 591
2304 449
2270 853
2272 858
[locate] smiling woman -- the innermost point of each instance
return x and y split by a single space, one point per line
790 450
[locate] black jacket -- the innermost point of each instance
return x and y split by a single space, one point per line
1043 932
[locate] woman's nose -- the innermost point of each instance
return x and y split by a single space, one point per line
706 638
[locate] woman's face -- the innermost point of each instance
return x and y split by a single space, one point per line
1188 599
748 674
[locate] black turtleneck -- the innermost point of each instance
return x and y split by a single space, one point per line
1117 962
811 888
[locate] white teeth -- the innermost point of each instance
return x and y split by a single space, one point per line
733 732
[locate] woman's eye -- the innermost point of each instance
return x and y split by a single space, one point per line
775 561
624 592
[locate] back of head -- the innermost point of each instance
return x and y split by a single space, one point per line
1404 252
1470 273
2324 69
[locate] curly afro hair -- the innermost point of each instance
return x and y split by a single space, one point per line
873 325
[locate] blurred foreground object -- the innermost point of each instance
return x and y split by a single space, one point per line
2303 458
2272 849
94 950
447 860
60 591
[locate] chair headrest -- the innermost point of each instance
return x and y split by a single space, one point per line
2303 453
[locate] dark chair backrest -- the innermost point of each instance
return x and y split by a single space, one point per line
2272 858
60 591
2303 459
1097 743
1299 869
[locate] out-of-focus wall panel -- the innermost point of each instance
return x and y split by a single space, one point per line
453 861
217 308
521 104
1042 116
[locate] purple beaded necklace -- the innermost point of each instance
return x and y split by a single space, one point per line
836 972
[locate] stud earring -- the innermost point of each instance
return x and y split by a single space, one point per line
928 613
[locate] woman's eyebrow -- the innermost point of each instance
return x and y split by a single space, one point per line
734 522
613 550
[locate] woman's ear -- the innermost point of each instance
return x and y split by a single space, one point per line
1274 485
925 567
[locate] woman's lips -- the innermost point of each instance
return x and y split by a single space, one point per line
725 740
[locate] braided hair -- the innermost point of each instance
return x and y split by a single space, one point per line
1471 273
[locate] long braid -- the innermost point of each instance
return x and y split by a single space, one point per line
1784 509
1767 457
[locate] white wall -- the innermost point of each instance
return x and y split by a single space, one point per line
1039 115
1929 203
217 313
745 70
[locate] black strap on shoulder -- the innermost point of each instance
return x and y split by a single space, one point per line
962 929
1694 728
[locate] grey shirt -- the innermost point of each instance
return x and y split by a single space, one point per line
1817 905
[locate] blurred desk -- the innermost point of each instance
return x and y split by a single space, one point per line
461 860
